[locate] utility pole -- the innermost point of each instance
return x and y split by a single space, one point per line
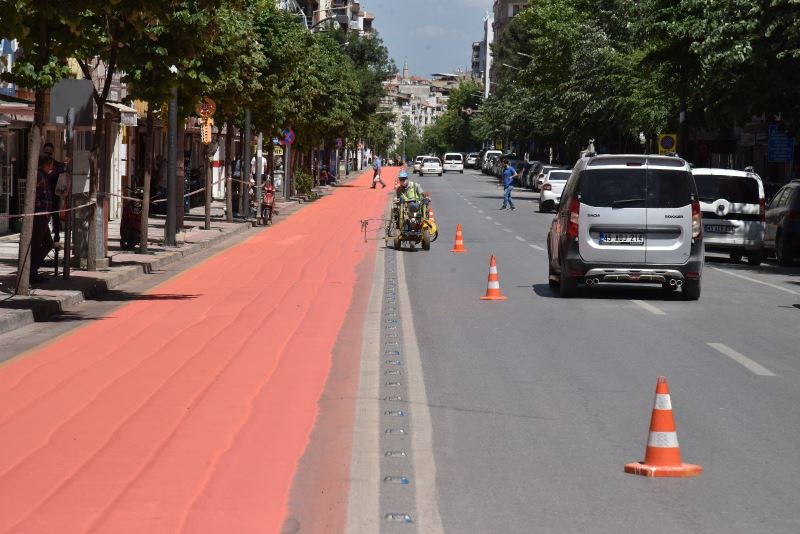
246 165
172 174
259 168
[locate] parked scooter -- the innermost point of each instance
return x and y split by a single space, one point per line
267 202
130 229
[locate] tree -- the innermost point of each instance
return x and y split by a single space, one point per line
41 27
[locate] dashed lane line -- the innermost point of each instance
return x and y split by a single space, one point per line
518 238
752 366
537 247
507 230
488 218
756 281
649 307
498 223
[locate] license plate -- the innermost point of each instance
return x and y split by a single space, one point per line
718 229
607 238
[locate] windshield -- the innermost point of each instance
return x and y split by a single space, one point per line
636 188
735 189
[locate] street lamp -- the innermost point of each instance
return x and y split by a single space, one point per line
511 66
523 54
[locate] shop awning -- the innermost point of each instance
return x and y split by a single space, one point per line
128 116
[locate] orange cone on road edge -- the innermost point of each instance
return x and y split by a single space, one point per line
662 456
493 288
459 244
430 214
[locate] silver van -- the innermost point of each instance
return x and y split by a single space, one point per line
628 218
734 211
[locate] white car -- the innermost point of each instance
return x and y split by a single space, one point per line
431 166
472 160
552 187
734 211
453 161
418 163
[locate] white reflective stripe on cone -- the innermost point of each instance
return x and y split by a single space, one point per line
663 402
494 285
492 270
663 440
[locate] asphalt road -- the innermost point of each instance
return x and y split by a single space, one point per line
536 403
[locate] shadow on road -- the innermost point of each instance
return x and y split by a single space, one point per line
126 296
613 292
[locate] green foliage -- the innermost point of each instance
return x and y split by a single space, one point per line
303 182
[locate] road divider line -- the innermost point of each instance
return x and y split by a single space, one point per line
488 218
498 223
649 307
537 247
756 281
507 230
480 211
518 238
752 366
423 460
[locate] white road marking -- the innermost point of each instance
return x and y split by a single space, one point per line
752 366
649 307
756 281
507 230
537 247
518 238
424 462
488 218
480 211
363 508
498 223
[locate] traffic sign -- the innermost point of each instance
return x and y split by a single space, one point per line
780 147
288 137
667 143
206 108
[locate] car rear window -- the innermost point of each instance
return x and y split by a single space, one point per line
636 188
431 160
453 157
735 189
558 176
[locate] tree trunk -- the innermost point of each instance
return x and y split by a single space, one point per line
180 177
229 170
34 146
146 186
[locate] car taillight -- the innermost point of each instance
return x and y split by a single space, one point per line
762 210
697 220
547 187
574 218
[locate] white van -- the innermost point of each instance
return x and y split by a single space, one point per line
734 211
453 161
488 154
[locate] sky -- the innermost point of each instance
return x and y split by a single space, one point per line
433 35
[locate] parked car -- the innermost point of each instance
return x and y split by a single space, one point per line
733 207
489 163
627 218
453 161
472 160
531 170
782 228
539 179
487 156
418 163
554 182
431 165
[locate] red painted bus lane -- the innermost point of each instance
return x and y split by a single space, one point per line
188 411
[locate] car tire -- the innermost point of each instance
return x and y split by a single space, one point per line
782 252
541 206
736 257
397 243
691 289
426 240
754 259
551 276
567 285
440 174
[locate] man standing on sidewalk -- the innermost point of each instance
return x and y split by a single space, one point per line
376 177
508 184
41 240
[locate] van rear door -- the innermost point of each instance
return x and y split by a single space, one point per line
670 192
613 214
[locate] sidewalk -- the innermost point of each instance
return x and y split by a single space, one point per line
58 295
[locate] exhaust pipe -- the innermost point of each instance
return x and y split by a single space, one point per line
673 282
679 283
590 282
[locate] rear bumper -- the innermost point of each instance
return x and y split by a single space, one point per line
732 244
635 272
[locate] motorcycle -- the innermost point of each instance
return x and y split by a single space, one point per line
267 202
130 228
410 223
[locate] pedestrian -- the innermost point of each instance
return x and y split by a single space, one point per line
376 177
41 240
52 170
509 173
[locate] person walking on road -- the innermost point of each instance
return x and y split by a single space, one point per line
376 177
509 173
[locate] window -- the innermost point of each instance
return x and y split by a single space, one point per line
780 198
636 188
736 189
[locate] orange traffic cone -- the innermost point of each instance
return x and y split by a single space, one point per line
430 214
662 458
493 287
459 244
